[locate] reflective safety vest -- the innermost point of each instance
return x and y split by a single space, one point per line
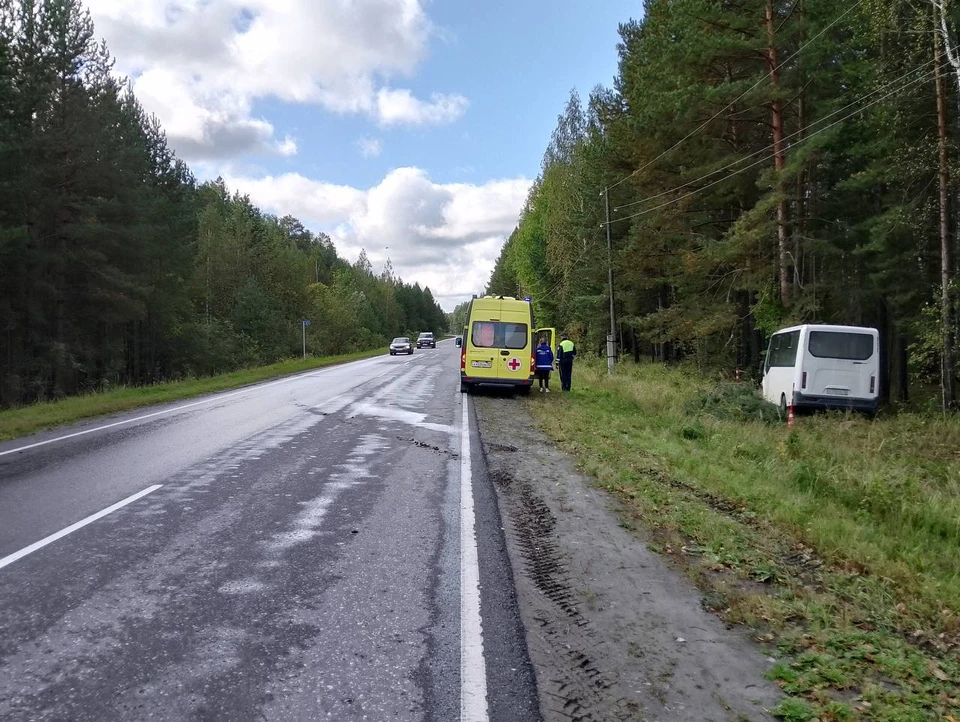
566 351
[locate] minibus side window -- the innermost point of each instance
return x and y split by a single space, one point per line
783 349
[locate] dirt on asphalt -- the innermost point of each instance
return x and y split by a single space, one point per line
613 632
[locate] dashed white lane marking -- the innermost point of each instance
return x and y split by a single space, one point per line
219 397
473 672
11 558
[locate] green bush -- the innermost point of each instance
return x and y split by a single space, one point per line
733 402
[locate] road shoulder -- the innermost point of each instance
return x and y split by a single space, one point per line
613 632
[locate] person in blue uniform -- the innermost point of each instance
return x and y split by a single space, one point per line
544 365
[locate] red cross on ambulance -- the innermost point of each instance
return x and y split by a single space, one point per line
514 363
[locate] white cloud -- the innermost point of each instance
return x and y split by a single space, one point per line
200 65
292 193
445 236
288 147
400 107
369 147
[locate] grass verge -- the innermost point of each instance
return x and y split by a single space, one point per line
836 541
18 422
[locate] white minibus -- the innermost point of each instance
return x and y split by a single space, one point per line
823 367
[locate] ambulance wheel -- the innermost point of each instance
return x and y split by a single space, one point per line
783 405
465 388
524 390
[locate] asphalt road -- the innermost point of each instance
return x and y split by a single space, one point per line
298 549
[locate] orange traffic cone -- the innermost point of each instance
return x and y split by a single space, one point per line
790 416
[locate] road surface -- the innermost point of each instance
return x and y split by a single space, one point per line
307 548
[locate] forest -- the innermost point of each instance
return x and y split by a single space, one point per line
761 163
117 267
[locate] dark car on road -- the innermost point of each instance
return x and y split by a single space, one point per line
426 339
401 344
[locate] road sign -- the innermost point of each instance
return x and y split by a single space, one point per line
306 323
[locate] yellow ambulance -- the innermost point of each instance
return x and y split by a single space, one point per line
498 344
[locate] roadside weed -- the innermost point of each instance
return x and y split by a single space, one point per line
834 542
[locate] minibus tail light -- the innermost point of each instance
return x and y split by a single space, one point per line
873 383
803 380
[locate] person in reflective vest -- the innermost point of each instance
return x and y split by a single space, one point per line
566 352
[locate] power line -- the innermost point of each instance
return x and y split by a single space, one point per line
927 76
792 135
762 79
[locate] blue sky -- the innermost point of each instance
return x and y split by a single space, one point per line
515 62
409 128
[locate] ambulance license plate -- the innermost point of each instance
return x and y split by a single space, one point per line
482 364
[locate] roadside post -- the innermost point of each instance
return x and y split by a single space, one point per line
612 336
304 325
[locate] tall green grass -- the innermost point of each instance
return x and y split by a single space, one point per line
850 524
18 422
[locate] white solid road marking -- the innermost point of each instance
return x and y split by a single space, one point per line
10 559
473 671
210 400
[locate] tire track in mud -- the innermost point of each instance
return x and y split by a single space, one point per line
576 689
612 632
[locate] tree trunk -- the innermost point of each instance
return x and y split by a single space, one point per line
799 220
207 295
903 375
756 337
783 241
946 248
886 343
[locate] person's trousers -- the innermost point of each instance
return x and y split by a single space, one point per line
543 376
566 371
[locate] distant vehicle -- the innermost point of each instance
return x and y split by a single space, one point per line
498 344
823 367
401 344
426 339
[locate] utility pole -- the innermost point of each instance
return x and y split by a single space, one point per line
304 326
611 337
